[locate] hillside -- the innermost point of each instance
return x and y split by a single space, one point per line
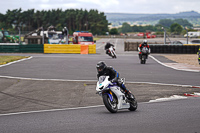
191 16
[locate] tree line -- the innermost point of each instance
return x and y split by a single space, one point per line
73 19
175 26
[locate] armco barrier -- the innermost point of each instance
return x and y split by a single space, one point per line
30 48
69 48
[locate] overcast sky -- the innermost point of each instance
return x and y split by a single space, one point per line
107 6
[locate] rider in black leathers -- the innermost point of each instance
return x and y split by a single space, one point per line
102 69
107 46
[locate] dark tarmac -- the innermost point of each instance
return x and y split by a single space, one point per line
23 95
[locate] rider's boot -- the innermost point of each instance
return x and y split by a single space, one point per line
128 93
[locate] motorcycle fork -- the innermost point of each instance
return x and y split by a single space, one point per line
109 93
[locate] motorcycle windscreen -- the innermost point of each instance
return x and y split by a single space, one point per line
101 79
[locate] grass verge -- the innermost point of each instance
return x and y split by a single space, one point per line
96 39
4 59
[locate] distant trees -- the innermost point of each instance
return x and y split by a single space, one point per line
128 28
114 31
169 22
174 26
73 19
165 22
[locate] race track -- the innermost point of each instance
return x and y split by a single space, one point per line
169 116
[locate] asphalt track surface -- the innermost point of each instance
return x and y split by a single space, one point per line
83 67
171 116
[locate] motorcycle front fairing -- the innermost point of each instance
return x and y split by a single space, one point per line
104 86
120 97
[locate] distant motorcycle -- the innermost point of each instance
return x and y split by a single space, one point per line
113 97
143 54
111 52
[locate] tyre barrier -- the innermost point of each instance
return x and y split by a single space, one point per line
161 48
174 49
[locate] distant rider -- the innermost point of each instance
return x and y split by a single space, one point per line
104 70
107 46
144 44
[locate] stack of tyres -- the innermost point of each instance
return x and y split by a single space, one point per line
172 49
195 49
175 49
162 49
188 50
184 49
168 49
165 50
154 49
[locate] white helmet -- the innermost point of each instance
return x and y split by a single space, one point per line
145 41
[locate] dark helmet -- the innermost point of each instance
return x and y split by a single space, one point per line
101 66
108 43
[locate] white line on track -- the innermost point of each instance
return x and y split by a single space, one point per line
16 61
51 110
165 84
103 44
10 77
116 43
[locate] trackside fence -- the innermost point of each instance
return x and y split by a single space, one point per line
31 48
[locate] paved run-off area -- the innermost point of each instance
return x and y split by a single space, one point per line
189 59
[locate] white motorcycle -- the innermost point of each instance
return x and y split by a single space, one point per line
111 52
113 97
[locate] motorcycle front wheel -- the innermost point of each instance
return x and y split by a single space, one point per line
110 105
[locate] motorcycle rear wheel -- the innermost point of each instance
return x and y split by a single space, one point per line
143 61
110 105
